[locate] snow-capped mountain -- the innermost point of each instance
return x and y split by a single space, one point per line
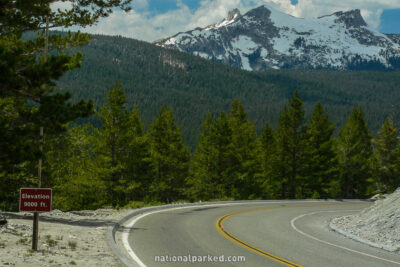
266 38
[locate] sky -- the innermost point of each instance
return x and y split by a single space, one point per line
150 20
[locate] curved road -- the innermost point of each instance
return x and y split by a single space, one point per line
270 233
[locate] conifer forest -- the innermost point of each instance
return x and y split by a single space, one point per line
116 122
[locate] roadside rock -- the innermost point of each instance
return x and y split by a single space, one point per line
3 220
377 226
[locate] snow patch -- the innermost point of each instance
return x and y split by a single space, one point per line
225 22
171 41
201 54
319 42
244 44
264 53
323 33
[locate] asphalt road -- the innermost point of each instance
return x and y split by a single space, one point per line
285 233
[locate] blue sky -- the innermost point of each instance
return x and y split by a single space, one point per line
154 19
162 6
390 21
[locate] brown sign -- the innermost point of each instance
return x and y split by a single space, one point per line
35 199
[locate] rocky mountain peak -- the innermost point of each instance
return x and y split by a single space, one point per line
350 18
260 13
266 38
233 14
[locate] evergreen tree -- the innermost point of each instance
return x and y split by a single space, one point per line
202 180
16 154
270 189
29 73
73 172
320 159
24 16
214 163
387 158
354 152
138 159
113 145
290 145
169 156
246 149
224 156
111 166
29 97
281 168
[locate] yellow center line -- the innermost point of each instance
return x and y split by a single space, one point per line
220 227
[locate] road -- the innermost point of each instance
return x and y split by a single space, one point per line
280 233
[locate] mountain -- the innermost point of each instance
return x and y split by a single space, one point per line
153 76
265 38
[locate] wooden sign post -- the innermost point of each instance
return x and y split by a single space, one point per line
35 200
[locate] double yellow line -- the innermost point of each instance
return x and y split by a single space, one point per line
220 227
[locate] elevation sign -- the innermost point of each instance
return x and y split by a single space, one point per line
35 199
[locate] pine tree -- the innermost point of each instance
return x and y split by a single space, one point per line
24 16
113 144
320 159
214 163
94 167
73 172
138 159
281 168
202 181
290 145
29 72
246 149
30 101
169 156
16 154
387 158
224 156
270 189
354 152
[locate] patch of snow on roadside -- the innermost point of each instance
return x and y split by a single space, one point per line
378 225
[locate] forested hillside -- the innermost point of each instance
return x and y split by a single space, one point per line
152 77
253 135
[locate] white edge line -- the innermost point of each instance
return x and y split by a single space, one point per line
361 240
137 260
292 222
125 236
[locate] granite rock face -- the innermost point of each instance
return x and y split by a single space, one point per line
265 38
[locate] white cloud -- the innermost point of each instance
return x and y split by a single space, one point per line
142 25
61 5
371 10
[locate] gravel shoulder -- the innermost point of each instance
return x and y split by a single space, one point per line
377 226
65 239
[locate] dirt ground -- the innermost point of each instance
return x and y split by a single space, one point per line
65 239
